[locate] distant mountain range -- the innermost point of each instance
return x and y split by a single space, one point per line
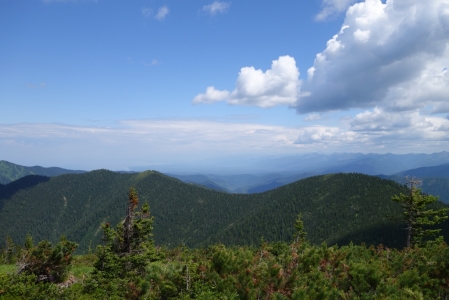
270 173
371 164
336 209
435 174
440 171
279 171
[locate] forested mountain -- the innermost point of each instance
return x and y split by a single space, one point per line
335 208
10 172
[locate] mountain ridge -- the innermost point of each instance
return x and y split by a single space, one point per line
75 205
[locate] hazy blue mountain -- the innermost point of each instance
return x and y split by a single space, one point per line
371 164
237 183
287 169
441 171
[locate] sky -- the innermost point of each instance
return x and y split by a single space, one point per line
88 84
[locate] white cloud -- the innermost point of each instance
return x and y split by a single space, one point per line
212 95
138 142
144 142
333 7
378 120
379 130
162 13
362 35
216 7
277 86
147 12
390 60
391 55
327 137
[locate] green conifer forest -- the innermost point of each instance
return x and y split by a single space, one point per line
324 237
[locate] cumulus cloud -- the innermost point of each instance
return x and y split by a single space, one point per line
392 54
333 7
216 7
277 86
162 13
390 60
212 95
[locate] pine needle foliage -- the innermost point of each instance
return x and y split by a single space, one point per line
418 217
128 249
300 234
47 262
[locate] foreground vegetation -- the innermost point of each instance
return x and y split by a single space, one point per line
128 265
270 271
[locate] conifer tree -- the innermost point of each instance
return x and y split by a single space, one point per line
49 263
416 214
129 247
9 250
300 234
28 242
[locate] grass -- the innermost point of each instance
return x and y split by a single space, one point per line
82 265
5 269
80 271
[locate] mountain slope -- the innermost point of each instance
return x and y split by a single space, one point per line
10 172
336 208
76 205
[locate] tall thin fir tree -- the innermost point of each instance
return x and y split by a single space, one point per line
300 234
417 216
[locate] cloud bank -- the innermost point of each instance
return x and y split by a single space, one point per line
139 142
171 141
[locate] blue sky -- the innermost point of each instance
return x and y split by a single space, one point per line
115 84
